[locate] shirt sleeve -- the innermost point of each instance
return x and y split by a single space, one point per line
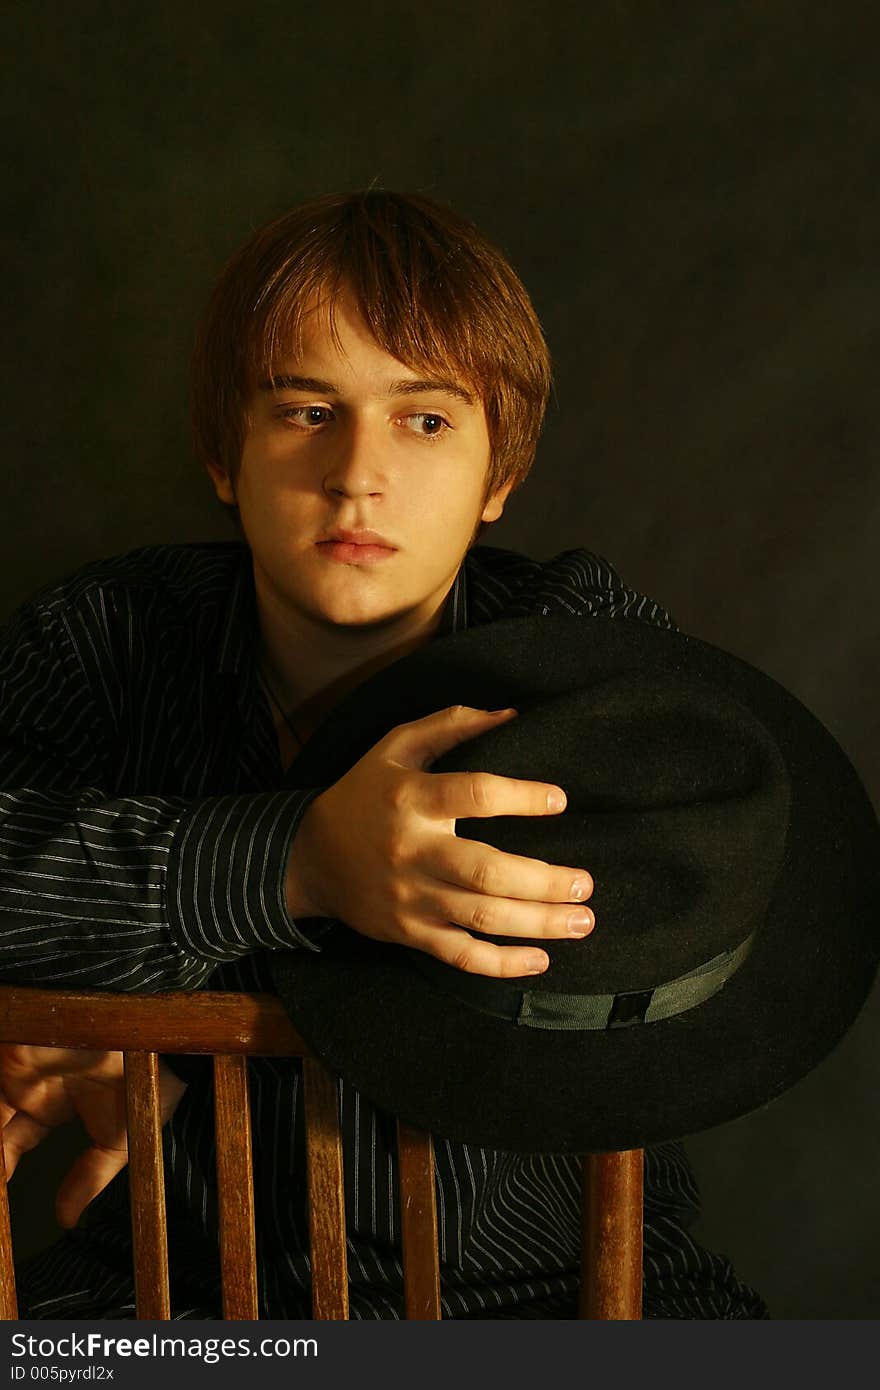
114 891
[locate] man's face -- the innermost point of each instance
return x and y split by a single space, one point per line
350 440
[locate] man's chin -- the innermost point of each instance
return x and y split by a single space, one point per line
347 615
363 623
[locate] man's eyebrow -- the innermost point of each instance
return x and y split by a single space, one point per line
432 384
405 387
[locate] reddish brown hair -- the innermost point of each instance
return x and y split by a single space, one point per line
431 289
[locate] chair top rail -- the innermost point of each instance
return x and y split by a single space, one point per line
199 1021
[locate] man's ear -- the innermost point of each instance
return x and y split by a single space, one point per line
223 485
495 503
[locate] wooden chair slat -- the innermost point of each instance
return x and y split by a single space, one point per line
611 1267
8 1301
201 1022
235 1188
418 1224
326 1192
147 1186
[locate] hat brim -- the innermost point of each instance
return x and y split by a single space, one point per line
414 1050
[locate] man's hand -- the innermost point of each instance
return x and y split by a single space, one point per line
378 851
41 1087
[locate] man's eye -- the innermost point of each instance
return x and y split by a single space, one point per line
307 416
426 424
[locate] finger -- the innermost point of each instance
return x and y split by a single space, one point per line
21 1135
422 741
485 869
475 957
466 795
38 1062
42 1098
510 917
7 1109
89 1175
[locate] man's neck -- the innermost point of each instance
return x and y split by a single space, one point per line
312 666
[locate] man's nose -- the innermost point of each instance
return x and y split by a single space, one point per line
356 467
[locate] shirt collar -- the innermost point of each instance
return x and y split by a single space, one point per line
239 626
454 617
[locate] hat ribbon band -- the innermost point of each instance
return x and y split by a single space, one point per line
542 1008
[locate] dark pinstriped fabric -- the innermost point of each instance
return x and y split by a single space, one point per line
144 829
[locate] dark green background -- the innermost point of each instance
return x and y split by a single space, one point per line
690 193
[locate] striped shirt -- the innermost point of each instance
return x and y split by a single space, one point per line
145 825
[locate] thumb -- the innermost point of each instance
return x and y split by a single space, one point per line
89 1175
20 1135
421 742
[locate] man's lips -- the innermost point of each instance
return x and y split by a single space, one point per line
356 547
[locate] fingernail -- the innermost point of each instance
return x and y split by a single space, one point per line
580 922
497 712
537 964
580 889
556 801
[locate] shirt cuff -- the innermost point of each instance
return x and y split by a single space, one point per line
226 875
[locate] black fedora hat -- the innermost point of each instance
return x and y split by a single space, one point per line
735 856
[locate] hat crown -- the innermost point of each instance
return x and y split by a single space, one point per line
677 805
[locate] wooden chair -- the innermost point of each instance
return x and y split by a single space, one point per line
233 1027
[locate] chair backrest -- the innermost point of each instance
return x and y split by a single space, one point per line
232 1027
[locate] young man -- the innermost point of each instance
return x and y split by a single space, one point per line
369 386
